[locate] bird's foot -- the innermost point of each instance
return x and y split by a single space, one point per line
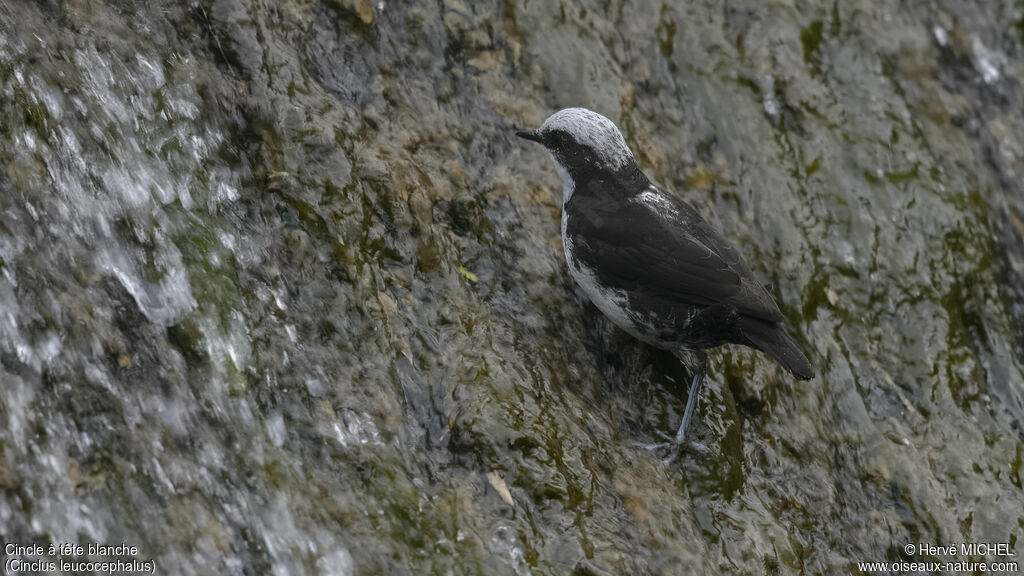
670 450
665 451
651 447
667 442
697 447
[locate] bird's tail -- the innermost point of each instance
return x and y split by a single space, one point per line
772 339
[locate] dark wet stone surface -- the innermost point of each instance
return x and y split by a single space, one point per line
281 292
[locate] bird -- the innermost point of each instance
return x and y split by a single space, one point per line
649 262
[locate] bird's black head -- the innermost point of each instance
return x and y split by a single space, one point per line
583 145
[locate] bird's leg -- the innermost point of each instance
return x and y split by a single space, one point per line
691 402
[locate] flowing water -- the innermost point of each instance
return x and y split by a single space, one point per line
280 292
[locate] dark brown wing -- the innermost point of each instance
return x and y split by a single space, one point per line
660 247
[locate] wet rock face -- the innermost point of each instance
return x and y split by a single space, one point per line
280 291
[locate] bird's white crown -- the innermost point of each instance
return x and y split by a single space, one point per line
593 130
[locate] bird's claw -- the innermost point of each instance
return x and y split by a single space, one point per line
651 447
672 448
694 446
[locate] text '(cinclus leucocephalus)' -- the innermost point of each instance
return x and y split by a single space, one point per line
649 262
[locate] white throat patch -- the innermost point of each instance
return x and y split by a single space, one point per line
568 184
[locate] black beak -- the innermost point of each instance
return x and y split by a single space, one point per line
532 135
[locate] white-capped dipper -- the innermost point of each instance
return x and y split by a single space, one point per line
649 262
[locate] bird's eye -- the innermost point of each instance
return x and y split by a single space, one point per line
556 138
